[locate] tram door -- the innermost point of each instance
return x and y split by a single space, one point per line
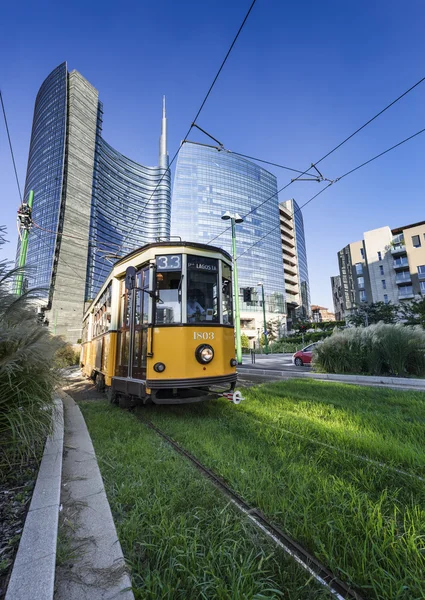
134 320
141 321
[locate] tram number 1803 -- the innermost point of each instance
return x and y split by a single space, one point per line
199 335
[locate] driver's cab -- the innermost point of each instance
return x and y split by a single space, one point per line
187 290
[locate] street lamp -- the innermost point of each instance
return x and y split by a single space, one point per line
235 218
266 344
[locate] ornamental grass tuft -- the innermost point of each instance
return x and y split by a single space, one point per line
381 349
27 374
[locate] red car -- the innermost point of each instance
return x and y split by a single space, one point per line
303 357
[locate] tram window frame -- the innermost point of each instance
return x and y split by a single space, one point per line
206 268
102 313
169 272
226 297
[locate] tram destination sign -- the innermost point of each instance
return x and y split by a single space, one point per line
201 263
169 262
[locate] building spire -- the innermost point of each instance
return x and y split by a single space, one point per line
163 155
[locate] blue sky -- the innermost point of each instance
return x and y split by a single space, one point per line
301 77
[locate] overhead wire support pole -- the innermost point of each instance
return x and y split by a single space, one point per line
25 224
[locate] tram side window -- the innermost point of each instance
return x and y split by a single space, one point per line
202 289
168 285
227 295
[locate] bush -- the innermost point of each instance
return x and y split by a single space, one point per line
27 378
382 349
67 356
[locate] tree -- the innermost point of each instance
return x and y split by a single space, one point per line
376 312
413 312
244 341
273 330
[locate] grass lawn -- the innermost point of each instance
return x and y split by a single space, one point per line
182 539
365 521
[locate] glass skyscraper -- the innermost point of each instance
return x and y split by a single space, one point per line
91 203
45 172
208 183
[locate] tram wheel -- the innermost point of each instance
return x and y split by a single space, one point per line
100 382
111 396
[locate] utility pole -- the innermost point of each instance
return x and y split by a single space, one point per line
266 337
24 226
235 218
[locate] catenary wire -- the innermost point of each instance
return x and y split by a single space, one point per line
326 155
267 162
10 146
333 182
195 119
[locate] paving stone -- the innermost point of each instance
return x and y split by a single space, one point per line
51 465
33 580
53 446
39 536
46 493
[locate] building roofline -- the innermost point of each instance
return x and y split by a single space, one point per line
398 230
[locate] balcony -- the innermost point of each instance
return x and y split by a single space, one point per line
406 293
403 277
400 263
398 250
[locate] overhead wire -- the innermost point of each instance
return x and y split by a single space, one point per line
326 155
196 116
10 146
332 183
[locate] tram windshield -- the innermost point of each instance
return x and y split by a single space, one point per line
202 289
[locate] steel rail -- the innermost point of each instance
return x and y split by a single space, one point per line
306 560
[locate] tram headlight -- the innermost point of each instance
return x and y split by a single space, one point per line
159 367
204 354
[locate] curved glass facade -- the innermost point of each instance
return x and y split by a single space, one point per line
86 190
302 259
208 183
45 173
125 214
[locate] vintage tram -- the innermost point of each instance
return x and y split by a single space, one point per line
161 327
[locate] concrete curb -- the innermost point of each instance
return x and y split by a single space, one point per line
398 382
97 571
33 573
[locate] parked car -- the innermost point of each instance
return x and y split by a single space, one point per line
303 357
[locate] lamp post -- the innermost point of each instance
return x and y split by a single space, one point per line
235 218
266 344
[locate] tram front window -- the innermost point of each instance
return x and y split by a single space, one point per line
202 289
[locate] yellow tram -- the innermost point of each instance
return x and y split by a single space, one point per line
161 327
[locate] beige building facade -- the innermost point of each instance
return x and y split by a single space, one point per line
388 265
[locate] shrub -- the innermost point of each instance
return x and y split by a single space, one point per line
381 349
67 356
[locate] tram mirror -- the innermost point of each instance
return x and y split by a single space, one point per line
130 278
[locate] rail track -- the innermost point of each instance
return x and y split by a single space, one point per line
307 561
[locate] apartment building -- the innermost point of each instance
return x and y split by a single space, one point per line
320 314
294 254
388 265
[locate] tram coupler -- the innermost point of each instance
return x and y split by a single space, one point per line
235 397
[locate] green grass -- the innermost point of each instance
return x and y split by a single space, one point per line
179 535
365 521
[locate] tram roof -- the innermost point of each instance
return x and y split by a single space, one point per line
173 244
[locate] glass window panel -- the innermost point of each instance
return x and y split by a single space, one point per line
202 289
